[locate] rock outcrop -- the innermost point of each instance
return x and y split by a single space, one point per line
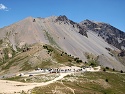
109 33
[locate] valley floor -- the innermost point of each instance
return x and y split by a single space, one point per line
10 87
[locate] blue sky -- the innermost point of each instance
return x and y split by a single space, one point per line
108 11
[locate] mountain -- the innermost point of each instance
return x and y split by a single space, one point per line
109 33
79 40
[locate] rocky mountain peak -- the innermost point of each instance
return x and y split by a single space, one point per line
65 34
109 33
86 21
62 18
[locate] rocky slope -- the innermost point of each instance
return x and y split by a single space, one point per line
109 33
75 39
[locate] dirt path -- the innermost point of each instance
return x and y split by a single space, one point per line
72 90
9 87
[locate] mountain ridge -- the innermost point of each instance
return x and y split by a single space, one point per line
67 35
108 32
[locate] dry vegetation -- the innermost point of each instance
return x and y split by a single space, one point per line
86 83
38 56
32 79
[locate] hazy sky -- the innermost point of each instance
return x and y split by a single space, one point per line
108 11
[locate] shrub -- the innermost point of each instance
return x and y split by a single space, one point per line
45 47
106 80
88 57
49 50
75 59
107 67
104 69
93 63
121 71
85 62
78 61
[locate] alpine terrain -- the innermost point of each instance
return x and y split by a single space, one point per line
57 41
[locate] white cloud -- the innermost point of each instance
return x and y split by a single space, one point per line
3 7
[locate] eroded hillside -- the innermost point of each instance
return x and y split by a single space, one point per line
60 32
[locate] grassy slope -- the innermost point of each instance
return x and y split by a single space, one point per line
62 57
53 58
86 83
